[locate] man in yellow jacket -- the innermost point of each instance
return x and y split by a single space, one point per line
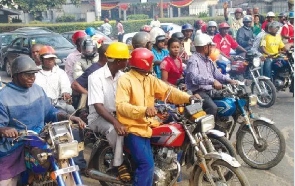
135 97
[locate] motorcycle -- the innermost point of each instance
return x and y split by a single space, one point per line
258 142
248 68
48 155
189 135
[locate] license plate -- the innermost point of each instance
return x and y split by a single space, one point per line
66 170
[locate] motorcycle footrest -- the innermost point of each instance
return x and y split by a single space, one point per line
66 170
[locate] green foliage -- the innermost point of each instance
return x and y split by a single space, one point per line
137 17
6 3
65 18
203 14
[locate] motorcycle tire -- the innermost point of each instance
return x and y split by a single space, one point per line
262 101
267 145
222 144
198 177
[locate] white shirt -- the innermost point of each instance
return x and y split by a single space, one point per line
70 61
107 29
102 89
54 82
155 23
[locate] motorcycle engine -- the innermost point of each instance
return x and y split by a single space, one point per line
165 167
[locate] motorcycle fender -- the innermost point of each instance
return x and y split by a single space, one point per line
263 77
216 133
265 119
95 147
223 156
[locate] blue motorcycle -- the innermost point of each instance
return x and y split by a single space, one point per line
48 156
258 141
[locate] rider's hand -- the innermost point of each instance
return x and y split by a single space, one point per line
195 97
233 82
8 132
151 111
217 85
262 58
120 129
79 121
66 96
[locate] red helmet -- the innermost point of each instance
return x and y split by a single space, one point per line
141 58
239 10
77 35
223 25
204 28
199 23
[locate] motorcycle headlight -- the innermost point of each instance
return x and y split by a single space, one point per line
206 122
256 62
68 150
252 100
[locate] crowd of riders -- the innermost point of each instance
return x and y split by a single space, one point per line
119 86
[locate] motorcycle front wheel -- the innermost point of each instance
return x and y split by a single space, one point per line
268 94
216 170
222 144
268 153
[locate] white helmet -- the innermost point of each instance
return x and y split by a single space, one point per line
203 40
212 23
270 14
156 31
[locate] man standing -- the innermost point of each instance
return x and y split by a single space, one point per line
35 54
288 29
101 101
234 22
120 29
155 22
25 101
106 28
256 12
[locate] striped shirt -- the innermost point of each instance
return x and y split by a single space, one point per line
201 73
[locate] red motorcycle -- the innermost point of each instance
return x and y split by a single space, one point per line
189 136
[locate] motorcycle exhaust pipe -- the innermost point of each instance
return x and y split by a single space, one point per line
94 174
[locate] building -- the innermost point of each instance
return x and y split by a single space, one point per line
5 15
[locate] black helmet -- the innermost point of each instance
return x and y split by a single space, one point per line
23 64
160 38
247 19
140 39
88 47
178 35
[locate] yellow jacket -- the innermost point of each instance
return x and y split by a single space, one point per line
136 92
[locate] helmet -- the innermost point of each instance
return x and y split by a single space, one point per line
187 26
178 35
198 23
168 29
77 35
23 64
274 24
239 10
47 52
247 19
282 14
140 39
223 25
270 14
156 31
117 50
88 47
145 28
203 40
141 58
291 14
204 28
90 31
214 55
160 38
212 23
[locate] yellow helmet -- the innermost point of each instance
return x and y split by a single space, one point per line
118 50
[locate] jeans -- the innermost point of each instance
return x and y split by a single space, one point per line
79 160
267 67
208 104
141 153
120 37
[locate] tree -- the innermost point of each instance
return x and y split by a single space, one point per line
6 3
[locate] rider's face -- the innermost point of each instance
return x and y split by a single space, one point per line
122 63
223 31
174 49
211 30
26 80
161 44
238 15
187 33
248 24
48 63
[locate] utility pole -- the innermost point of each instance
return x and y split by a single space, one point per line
161 8
97 8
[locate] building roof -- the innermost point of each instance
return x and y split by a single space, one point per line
9 11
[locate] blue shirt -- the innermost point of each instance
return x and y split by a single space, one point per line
201 73
30 106
83 79
159 57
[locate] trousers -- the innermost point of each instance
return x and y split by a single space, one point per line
208 105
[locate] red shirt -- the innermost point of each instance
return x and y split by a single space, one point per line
264 24
288 30
173 67
224 44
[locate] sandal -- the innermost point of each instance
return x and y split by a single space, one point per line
124 175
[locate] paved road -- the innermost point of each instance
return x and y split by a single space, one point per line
281 175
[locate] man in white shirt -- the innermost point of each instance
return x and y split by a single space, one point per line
102 85
106 28
155 22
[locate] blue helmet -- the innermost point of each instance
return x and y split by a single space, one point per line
90 31
168 29
291 14
187 26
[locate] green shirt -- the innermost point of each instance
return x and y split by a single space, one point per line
256 29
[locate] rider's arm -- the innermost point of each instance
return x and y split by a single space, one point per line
241 48
241 39
218 75
78 88
65 85
225 13
102 111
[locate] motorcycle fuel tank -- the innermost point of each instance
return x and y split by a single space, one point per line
226 106
238 66
168 135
